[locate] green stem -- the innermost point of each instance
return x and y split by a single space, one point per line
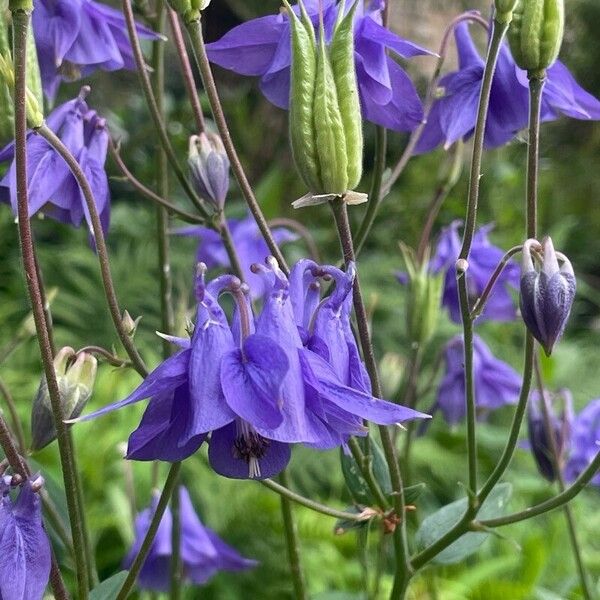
403 568
155 111
163 501
101 250
20 27
308 503
176 560
365 466
536 87
227 239
14 416
293 545
194 29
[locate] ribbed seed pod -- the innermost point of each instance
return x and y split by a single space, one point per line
34 79
344 73
329 126
536 33
6 103
303 75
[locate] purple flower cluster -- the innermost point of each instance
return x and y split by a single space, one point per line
203 552
74 38
292 374
454 114
53 189
25 556
262 48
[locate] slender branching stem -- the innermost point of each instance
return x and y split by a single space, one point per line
536 87
101 249
138 562
14 416
194 28
365 465
227 239
21 20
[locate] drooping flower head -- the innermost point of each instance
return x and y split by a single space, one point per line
483 259
585 438
496 382
560 424
53 189
74 38
454 113
24 545
248 241
261 48
547 293
203 553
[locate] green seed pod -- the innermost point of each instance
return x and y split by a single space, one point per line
6 103
329 127
504 10
344 72
302 91
536 33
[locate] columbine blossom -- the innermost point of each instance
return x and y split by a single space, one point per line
249 244
254 385
483 259
53 189
203 552
454 113
585 438
496 383
261 48
24 545
74 38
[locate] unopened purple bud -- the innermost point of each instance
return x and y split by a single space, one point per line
557 425
209 167
547 293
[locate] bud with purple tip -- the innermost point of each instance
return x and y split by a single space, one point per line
209 168
547 293
558 426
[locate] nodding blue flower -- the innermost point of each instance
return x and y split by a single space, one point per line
24 545
203 553
483 259
496 383
248 241
585 442
53 189
454 113
254 385
262 48
540 442
547 293
74 38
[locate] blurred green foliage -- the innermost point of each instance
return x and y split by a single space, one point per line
533 561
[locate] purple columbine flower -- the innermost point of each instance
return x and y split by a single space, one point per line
203 552
261 48
454 114
74 38
248 241
483 259
24 545
496 383
209 168
560 428
547 294
252 385
53 190
585 442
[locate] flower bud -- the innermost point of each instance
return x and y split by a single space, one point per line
130 325
540 442
325 116
423 300
75 383
504 10
189 10
209 168
547 293
536 33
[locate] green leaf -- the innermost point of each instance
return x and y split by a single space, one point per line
440 522
355 481
108 589
412 492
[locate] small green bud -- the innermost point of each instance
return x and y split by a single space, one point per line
424 298
325 117
75 375
189 10
504 10
536 33
130 325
